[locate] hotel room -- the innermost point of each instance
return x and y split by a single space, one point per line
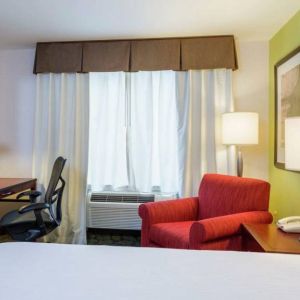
149 149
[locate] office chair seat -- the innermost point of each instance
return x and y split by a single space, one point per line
14 217
23 227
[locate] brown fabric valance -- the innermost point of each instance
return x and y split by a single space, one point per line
106 56
58 58
137 55
208 53
155 55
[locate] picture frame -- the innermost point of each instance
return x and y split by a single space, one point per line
287 100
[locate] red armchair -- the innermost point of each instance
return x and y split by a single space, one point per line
210 221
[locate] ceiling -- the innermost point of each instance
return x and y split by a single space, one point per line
25 22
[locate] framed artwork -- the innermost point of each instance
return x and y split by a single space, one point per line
287 99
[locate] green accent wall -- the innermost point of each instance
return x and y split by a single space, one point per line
285 185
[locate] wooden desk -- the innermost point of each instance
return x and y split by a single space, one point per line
10 186
268 238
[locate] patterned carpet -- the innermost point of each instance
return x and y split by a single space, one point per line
100 237
113 238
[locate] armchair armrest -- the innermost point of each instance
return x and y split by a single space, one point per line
219 227
185 209
33 207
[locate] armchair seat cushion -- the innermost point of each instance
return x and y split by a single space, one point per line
171 235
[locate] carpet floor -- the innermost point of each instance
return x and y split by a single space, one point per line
102 238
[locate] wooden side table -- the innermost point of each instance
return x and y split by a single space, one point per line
268 238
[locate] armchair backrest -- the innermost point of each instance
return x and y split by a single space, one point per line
221 195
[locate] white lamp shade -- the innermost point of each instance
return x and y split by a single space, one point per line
240 128
292 144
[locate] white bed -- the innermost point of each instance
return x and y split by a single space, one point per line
50 271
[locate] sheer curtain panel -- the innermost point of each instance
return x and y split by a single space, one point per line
108 125
158 130
153 123
133 132
202 97
62 128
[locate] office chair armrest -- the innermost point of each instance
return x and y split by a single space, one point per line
34 206
32 194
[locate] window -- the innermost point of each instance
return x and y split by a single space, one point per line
133 132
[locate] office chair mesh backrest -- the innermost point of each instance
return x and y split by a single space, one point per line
54 193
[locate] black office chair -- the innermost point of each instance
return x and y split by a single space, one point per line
37 219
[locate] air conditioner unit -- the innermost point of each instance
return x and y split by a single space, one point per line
118 210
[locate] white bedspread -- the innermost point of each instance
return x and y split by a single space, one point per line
50 271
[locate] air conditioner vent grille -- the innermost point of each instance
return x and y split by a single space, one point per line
122 198
117 210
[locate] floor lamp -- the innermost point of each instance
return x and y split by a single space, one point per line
240 129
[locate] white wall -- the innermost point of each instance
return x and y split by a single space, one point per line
250 89
17 97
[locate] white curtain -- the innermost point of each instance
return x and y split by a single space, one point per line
61 129
154 138
202 97
133 130
107 150
158 130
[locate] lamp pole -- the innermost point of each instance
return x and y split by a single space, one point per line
240 163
